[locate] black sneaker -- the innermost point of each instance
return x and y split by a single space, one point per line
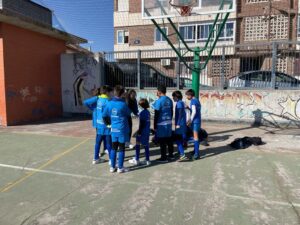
161 160
171 157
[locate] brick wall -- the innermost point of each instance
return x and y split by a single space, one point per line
245 9
32 75
135 6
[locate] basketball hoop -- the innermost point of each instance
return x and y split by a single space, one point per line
183 7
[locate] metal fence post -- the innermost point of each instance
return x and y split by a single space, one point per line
274 63
222 84
177 71
139 56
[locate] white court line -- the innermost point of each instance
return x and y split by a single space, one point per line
140 183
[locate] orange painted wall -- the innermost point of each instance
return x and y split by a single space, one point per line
32 75
2 84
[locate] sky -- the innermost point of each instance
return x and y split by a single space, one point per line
89 19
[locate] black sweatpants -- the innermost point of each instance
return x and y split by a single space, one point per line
130 127
164 143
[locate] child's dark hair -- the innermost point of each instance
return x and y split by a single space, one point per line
104 90
162 89
177 94
119 90
96 92
190 92
130 92
144 103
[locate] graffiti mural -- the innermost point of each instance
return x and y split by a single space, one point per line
80 77
150 96
255 106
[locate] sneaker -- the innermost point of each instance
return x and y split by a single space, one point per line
131 146
112 170
182 158
134 161
161 160
123 170
196 157
148 163
171 157
106 152
97 161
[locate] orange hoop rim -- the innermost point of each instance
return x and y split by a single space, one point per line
184 10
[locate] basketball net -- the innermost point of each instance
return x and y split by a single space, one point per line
184 9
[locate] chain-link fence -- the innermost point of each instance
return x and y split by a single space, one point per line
266 65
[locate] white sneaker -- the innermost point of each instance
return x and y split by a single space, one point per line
123 170
131 146
97 161
148 163
134 161
112 170
106 152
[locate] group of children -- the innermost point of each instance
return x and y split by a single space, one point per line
112 110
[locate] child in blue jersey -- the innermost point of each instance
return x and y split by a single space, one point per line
116 114
103 132
180 123
91 103
195 120
163 115
143 134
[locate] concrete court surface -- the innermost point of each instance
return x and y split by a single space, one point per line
47 178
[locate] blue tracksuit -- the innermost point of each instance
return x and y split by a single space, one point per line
97 104
196 124
103 132
180 120
118 112
143 134
91 103
164 106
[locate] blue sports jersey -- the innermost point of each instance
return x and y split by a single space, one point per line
164 106
196 103
118 111
180 117
101 104
91 103
145 121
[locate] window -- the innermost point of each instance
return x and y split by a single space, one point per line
188 32
226 33
122 37
158 36
201 32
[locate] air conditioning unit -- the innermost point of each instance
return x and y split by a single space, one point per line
165 62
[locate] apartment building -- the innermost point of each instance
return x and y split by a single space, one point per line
252 22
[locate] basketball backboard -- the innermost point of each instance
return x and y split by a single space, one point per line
156 9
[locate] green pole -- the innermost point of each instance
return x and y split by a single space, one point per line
196 72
